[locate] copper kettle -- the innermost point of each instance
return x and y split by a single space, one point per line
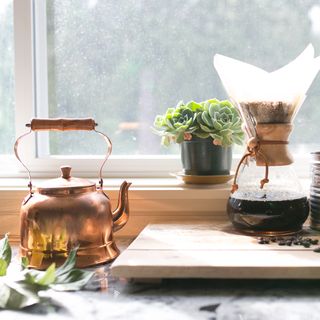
67 212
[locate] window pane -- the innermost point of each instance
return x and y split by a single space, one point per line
7 128
124 61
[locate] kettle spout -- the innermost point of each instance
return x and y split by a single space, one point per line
121 214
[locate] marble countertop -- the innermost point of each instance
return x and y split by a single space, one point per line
106 297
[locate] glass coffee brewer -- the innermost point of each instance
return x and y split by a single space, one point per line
266 196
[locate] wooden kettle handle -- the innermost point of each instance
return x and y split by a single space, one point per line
62 124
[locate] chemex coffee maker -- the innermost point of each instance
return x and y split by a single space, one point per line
266 197
69 212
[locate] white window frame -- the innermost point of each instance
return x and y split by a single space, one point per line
31 89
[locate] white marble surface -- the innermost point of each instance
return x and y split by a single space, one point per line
111 298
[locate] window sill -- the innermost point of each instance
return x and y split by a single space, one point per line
110 184
151 201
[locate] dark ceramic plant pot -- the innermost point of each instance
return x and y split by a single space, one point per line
201 157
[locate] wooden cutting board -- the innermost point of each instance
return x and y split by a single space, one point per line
213 251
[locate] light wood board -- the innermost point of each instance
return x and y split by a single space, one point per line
212 251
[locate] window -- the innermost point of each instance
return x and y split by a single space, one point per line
7 121
124 61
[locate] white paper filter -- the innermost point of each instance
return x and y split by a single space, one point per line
289 84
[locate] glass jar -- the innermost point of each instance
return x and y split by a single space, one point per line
280 207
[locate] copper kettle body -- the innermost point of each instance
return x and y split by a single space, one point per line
69 212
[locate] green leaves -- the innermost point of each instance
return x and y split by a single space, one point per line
193 106
65 278
3 267
218 119
68 264
5 255
24 262
12 294
24 291
74 280
41 278
216 125
16 296
68 278
205 116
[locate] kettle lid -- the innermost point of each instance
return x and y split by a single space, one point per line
66 183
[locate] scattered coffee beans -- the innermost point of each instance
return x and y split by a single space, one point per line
289 241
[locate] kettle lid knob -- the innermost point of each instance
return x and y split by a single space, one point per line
65 172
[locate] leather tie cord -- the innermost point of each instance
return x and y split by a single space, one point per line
253 149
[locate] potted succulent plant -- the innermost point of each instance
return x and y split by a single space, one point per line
206 132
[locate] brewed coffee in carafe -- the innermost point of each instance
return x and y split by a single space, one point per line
266 196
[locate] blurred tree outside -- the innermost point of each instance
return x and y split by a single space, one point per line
125 61
7 126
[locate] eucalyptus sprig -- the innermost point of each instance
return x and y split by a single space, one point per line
23 291
5 255
211 118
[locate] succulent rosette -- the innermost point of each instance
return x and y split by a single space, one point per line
219 120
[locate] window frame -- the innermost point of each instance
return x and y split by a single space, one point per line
31 90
